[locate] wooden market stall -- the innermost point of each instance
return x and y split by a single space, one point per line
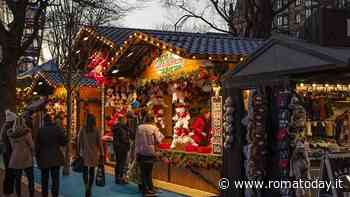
176 77
290 97
47 95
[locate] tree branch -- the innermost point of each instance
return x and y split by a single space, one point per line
193 15
37 26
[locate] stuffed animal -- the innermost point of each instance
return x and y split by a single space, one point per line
181 127
110 98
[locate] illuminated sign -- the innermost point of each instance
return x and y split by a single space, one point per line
168 63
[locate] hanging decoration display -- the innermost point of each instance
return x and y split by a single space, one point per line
229 123
98 63
57 109
299 160
282 136
257 161
157 105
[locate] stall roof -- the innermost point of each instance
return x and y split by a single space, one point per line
192 43
55 79
50 72
49 66
284 56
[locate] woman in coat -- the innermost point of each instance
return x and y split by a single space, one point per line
91 150
8 182
22 154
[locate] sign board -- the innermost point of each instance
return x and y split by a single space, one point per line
171 65
335 167
168 63
216 124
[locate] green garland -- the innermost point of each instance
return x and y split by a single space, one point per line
184 160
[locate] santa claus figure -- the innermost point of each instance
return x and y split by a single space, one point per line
181 127
201 128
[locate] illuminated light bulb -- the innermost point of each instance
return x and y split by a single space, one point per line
178 52
86 38
301 85
338 85
125 42
241 59
40 83
164 47
140 36
327 85
121 48
171 49
130 36
210 58
313 85
35 93
193 57
78 51
158 44
225 58
115 71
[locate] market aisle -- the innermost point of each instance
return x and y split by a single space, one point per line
72 186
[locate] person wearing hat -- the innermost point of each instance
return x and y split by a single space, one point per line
201 128
8 183
21 159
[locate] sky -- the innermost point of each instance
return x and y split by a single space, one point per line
148 17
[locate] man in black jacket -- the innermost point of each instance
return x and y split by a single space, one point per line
121 143
50 158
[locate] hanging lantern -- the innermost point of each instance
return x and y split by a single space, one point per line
60 92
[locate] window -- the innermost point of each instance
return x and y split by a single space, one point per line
348 27
307 13
297 18
308 3
285 20
279 20
279 4
298 2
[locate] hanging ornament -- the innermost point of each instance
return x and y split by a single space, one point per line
228 123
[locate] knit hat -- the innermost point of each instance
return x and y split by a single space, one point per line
10 116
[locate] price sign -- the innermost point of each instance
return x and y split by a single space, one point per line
216 124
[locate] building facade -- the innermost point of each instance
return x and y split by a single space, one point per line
32 53
291 21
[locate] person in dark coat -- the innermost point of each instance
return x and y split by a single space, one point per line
121 144
50 158
8 183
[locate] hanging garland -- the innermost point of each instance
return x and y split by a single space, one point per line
184 160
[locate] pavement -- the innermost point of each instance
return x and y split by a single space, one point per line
72 186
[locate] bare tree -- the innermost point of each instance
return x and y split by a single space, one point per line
249 18
63 22
13 41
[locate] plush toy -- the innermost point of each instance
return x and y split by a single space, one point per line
110 98
181 127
